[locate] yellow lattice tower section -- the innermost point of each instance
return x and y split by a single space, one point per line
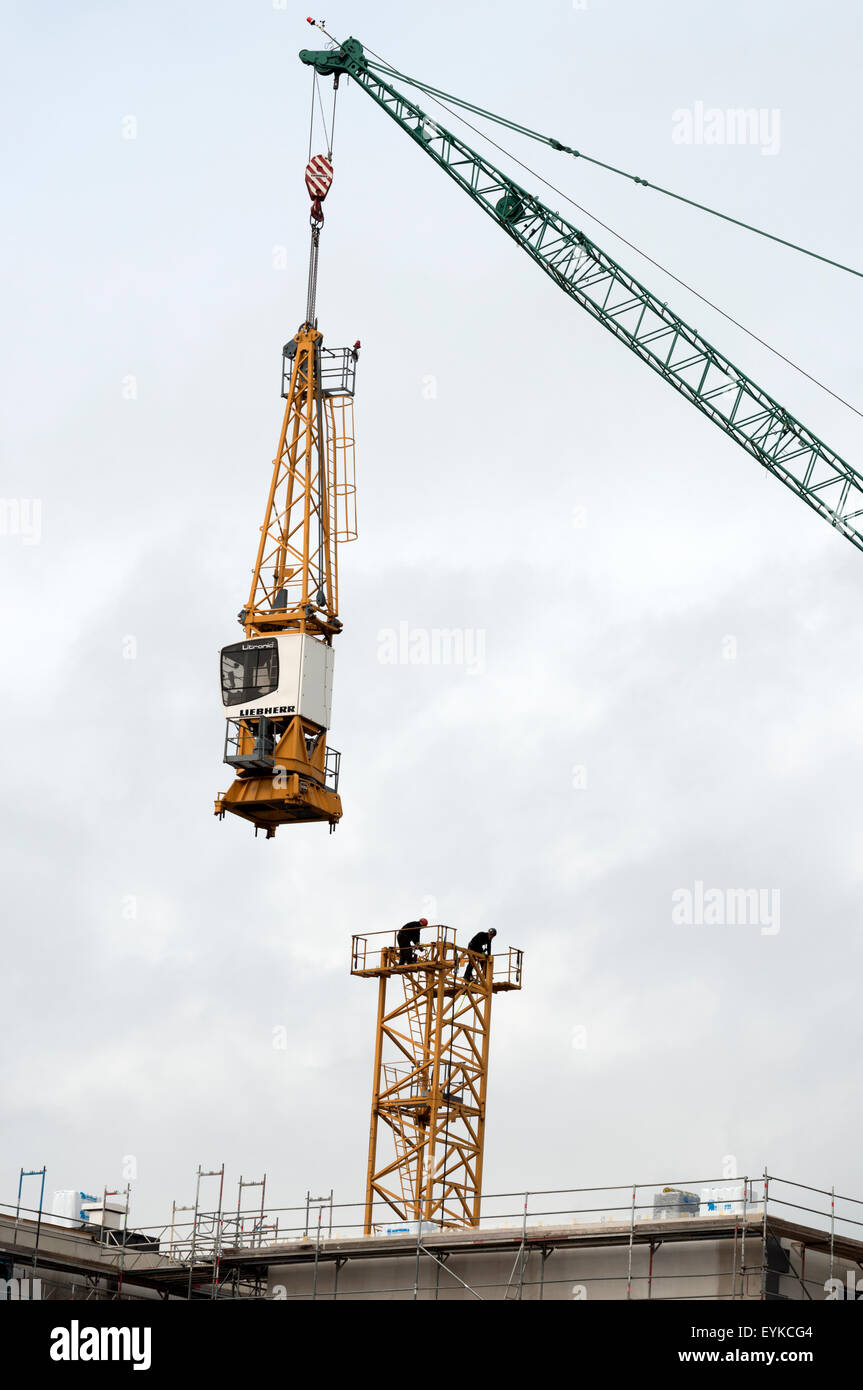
278 720
430 1074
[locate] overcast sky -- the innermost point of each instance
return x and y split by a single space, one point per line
670 685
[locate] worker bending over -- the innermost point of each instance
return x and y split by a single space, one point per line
408 938
482 944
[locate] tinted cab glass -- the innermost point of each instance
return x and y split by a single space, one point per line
249 670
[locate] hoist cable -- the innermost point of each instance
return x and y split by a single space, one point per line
333 124
323 117
312 115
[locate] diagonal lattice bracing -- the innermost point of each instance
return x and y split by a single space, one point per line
431 1069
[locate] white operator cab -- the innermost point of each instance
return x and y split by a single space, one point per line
272 679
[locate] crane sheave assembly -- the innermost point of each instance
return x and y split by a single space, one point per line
725 394
277 682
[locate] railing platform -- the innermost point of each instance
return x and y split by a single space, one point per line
377 954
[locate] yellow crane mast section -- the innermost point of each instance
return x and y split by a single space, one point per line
427 1129
277 684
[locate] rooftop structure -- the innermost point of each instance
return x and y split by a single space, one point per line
761 1239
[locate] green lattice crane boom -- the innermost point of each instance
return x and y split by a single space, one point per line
655 333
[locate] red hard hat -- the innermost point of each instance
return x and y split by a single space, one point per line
423 922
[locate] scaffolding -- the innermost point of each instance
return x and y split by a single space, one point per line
198 1244
738 1239
762 1238
430 1073
32 1173
206 1234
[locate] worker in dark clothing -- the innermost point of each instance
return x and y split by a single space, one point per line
482 943
408 937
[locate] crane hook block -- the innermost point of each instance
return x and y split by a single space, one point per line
319 176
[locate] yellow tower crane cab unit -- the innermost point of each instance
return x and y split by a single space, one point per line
277 682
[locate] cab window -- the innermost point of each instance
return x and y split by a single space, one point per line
249 670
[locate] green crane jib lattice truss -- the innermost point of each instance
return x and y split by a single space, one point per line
678 353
